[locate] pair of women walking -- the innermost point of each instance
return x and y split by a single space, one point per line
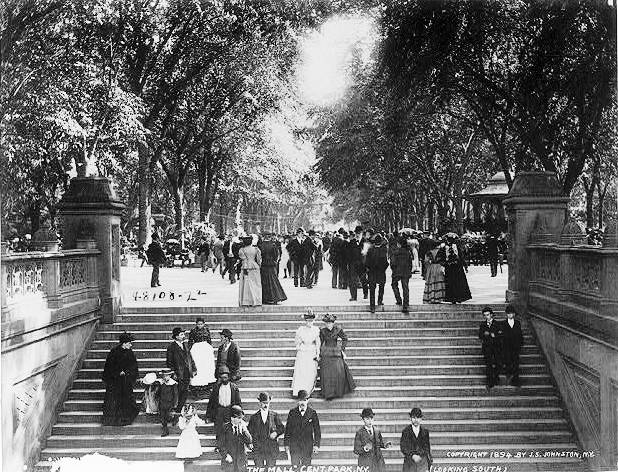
315 346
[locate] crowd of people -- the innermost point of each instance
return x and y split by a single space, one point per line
358 259
191 365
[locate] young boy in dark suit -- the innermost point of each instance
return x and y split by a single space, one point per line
489 334
168 399
234 442
368 444
415 445
512 341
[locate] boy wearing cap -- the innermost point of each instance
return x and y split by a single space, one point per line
167 395
228 355
265 427
512 340
368 444
234 441
222 398
178 358
415 445
302 432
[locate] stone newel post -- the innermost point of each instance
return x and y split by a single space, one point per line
535 207
90 210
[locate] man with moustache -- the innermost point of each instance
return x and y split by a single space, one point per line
223 397
265 427
302 432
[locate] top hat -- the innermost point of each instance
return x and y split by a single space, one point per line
226 332
176 331
367 413
237 411
302 395
126 337
263 397
329 318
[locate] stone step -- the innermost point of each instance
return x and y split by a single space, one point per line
364 381
485 400
259 335
149 425
343 439
287 348
392 371
363 391
528 414
326 452
146 359
394 464
437 326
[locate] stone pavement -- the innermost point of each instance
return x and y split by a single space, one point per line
191 287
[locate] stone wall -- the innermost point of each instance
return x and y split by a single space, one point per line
50 310
569 292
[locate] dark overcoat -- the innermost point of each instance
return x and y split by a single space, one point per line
411 445
233 357
373 458
302 432
260 431
234 445
180 360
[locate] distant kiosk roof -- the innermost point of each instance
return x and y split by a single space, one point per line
496 189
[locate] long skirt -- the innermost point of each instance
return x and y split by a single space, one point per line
272 291
434 284
457 289
204 358
305 372
119 406
189 445
335 376
250 288
150 404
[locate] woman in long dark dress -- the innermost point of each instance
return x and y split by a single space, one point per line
335 377
120 374
457 289
272 291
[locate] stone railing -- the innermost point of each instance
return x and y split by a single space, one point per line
57 277
50 309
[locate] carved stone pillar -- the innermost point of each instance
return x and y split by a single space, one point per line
91 206
536 204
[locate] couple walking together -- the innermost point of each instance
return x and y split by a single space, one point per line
315 346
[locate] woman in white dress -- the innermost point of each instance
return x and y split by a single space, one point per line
307 356
189 446
250 286
200 345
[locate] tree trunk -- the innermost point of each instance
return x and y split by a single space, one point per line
430 212
589 207
201 179
178 194
34 215
602 194
144 208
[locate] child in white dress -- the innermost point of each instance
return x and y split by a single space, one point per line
189 443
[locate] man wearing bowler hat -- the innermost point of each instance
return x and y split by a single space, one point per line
415 445
179 359
222 398
368 444
235 440
302 432
228 355
265 427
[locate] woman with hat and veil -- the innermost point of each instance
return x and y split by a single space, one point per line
335 377
457 289
120 374
250 287
307 355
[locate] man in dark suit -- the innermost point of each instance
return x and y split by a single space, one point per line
178 358
490 332
491 245
415 445
230 252
368 444
298 256
334 258
313 259
228 355
235 438
156 257
302 432
222 398
512 341
354 262
265 427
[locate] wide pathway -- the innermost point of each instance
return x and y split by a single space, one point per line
191 287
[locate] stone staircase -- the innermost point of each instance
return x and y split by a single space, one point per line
430 358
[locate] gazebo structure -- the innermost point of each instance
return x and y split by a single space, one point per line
487 204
